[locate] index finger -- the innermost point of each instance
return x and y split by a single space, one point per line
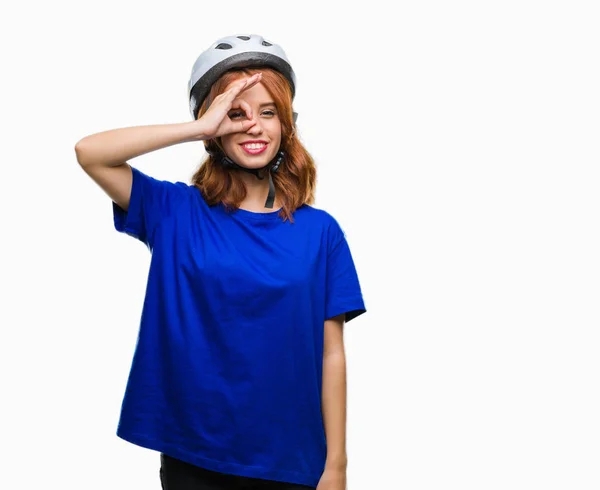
245 84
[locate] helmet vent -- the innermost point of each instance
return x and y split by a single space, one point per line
265 43
244 38
224 46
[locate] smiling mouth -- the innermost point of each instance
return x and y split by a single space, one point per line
254 148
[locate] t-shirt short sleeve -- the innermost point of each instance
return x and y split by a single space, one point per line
151 201
343 292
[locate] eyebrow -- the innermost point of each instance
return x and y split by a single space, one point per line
265 104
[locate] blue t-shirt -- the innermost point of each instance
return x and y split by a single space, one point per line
227 369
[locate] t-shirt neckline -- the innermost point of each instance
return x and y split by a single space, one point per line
244 213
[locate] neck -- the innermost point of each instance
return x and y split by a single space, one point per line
256 193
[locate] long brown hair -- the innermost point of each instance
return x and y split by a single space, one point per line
295 180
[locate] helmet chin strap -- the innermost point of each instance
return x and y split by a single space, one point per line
274 164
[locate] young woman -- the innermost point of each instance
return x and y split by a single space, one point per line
238 376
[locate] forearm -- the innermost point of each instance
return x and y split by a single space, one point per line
334 408
116 146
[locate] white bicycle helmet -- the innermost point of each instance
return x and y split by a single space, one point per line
229 52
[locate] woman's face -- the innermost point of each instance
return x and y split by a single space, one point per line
266 131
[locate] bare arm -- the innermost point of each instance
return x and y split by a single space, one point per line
103 156
116 146
334 394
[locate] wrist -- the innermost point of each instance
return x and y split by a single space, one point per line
194 131
337 463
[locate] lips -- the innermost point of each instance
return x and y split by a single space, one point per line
254 151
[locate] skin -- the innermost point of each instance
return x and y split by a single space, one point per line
334 405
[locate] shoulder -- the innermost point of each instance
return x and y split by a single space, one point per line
322 218
316 215
155 184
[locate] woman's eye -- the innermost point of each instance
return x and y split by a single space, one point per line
234 115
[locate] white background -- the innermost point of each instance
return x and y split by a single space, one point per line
456 144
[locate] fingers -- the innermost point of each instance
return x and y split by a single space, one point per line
242 104
242 85
237 127
225 102
246 125
253 80
238 87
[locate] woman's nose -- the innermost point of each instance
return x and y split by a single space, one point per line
256 129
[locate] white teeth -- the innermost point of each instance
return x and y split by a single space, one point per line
254 146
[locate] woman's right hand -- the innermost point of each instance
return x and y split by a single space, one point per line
216 122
